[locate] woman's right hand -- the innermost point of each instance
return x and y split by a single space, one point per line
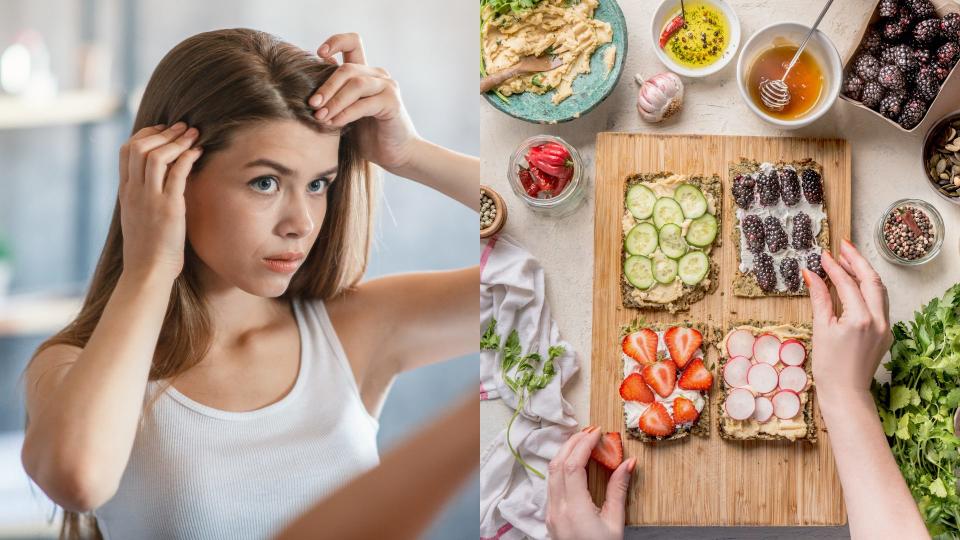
154 165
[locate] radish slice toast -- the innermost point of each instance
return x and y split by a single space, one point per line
786 404
735 371
766 349
762 378
792 352
739 404
740 343
763 409
793 378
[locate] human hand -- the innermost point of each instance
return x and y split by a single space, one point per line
847 349
571 514
367 95
154 165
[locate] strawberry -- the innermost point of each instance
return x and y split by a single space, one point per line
684 412
526 180
641 346
609 450
696 376
682 343
634 389
656 421
661 376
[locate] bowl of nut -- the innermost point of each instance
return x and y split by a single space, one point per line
493 213
941 157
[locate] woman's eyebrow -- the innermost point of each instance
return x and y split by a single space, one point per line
262 162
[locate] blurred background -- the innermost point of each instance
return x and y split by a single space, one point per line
70 76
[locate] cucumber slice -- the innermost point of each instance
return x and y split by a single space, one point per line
664 269
639 271
640 201
667 210
691 200
702 231
671 241
693 267
641 240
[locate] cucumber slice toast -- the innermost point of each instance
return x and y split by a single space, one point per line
702 231
639 271
693 267
691 200
640 201
641 240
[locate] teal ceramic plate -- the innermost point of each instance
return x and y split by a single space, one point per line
589 89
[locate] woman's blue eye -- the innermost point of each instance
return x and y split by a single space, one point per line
263 183
318 186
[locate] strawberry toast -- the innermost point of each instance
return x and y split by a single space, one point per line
666 383
767 383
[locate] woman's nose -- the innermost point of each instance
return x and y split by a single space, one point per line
297 219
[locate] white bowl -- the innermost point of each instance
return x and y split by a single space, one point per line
819 46
666 10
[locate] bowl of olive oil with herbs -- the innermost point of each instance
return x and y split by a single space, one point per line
705 41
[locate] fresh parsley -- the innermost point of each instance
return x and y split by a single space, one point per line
917 406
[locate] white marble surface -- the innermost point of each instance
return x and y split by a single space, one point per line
886 167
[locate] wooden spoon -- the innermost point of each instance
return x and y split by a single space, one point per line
527 64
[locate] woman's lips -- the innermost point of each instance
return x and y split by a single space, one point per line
283 266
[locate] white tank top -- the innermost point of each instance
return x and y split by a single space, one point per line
196 472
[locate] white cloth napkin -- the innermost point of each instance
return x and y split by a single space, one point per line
513 500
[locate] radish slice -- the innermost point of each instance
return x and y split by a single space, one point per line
786 404
766 349
740 343
792 352
735 372
762 378
793 378
739 404
763 409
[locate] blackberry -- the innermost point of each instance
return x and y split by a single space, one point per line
768 186
901 56
950 25
812 184
790 271
927 32
921 9
895 30
775 236
789 186
866 66
922 56
872 41
890 105
753 232
927 86
853 87
889 8
743 190
912 114
947 54
872 94
890 77
813 265
802 231
763 270
939 72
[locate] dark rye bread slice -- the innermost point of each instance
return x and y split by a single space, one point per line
808 415
691 294
701 427
745 284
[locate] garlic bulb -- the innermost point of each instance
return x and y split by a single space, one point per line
659 97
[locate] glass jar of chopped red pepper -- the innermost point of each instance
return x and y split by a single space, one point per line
546 173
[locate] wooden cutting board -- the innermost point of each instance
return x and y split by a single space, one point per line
708 481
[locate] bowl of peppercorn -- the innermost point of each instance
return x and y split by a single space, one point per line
493 213
910 232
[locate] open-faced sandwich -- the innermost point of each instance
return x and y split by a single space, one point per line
780 226
670 227
767 385
666 384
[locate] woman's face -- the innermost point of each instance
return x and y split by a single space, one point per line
261 199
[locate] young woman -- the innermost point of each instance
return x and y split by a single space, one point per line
228 365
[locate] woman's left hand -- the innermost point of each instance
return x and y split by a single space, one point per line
367 95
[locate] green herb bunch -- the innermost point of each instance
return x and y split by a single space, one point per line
917 408
521 372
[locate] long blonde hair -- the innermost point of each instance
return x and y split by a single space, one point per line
221 81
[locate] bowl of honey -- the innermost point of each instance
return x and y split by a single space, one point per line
814 81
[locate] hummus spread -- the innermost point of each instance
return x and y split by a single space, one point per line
568 32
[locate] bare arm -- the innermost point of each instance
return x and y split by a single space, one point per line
879 504
455 175
83 406
406 491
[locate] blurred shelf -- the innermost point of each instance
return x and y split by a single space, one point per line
36 314
66 108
